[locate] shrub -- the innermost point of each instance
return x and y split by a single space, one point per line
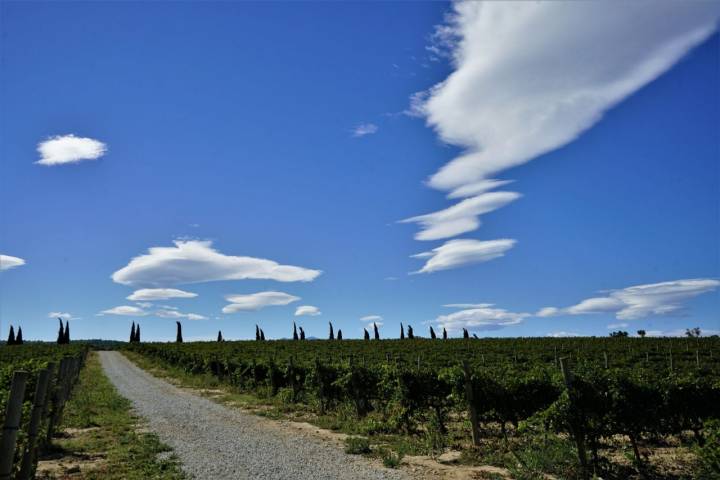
391 459
357 445
709 453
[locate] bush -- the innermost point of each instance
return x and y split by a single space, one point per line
709 453
357 445
391 459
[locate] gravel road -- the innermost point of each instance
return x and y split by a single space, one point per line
215 442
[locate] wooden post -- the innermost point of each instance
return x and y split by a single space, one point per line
57 400
28 460
671 361
418 363
575 431
605 357
697 358
471 405
13 413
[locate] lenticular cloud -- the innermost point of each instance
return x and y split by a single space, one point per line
530 77
194 261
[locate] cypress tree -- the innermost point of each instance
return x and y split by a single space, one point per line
132 333
66 337
339 335
465 333
475 336
366 336
332 335
61 332
178 337
257 333
262 335
410 332
18 337
402 332
11 336
219 339
377 334
137 333
432 333
295 334
302 334
444 334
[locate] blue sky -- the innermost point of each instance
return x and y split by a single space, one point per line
301 134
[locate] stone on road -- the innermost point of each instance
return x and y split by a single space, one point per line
216 442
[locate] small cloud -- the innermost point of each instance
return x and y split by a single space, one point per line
308 310
456 253
63 149
256 301
480 317
365 129
126 310
371 318
153 294
564 334
63 315
618 325
173 313
7 262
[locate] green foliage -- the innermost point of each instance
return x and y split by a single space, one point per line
357 445
709 453
390 458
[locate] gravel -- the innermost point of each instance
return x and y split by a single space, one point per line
216 442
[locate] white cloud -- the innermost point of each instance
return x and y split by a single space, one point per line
455 253
7 262
468 305
461 217
174 313
63 315
564 334
144 304
530 77
127 310
618 325
153 294
365 129
641 300
307 310
195 261
482 318
371 318
680 332
256 301
63 149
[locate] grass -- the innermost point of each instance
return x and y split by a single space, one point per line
357 445
102 437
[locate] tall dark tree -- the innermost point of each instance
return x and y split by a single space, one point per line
410 332
339 335
219 338
332 335
11 336
66 336
444 334
366 335
302 334
475 336
18 337
132 333
377 333
432 333
137 333
465 333
295 334
262 335
178 336
257 333
642 333
61 332
402 332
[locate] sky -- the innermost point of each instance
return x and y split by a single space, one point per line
516 169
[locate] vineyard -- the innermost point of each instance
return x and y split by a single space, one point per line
54 367
589 391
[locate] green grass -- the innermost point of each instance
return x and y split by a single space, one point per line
104 440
